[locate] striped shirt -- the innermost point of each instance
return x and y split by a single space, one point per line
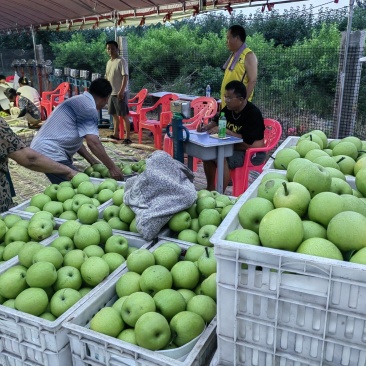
62 134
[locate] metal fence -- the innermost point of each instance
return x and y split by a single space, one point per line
7 56
303 95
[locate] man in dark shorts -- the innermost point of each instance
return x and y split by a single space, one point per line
117 75
244 120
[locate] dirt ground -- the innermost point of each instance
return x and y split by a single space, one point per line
27 183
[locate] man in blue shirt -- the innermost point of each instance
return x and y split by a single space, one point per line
74 120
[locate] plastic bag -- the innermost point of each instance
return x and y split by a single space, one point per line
164 188
14 111
16 81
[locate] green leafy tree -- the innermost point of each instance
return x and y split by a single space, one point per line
167 57
80 53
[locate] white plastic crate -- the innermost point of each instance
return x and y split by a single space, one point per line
168 234
290 141
25 134
286 308
24 216
165 231
17 358
13 121
92 348
125 177
41 342
28 215
350 179
214 360
14 210
96 181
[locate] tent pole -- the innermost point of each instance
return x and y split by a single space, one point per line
34 41
344 68
115 24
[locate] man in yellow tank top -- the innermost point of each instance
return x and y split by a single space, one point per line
241 65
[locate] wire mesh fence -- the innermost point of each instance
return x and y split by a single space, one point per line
35 74
298 87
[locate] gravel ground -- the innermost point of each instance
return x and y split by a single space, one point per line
27 183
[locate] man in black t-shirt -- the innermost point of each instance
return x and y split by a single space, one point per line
244 120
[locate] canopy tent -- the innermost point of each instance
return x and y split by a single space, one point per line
16 15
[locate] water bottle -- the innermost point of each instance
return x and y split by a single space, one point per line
208 91
222 126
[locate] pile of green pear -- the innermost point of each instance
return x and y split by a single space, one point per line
18 123
307 209
347 155
79 200
198 223
50 279
119 215
163 300
68 199
17 233
3 114
101 171
195 225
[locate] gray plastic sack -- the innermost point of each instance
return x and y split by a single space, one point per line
164 188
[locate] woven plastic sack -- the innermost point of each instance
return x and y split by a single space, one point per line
164 188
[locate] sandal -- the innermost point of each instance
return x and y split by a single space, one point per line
126 142
113 138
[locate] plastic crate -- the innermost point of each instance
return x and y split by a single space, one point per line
214 360
290 141
22 206
41 342
26 136
92 348
286 308
168 234
25 216
19 359
350 179
20 209
16 121
165 231
125 177
98 181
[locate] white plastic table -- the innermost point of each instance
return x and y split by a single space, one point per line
188 97
204 147
158 95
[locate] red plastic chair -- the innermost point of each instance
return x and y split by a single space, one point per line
211 109
53 98
205 102
136 103
153 125
240 176
191 124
